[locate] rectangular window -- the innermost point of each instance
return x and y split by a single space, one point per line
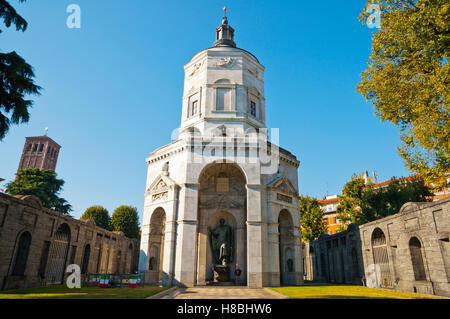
194 108
253 108
35 148
41 148
223 99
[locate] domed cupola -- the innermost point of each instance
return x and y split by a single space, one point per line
225 33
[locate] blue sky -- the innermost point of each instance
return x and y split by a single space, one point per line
112 89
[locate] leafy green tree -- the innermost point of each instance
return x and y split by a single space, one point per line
99 215
362 203
408 81
43 184
311 218
353 200
16 77
126 220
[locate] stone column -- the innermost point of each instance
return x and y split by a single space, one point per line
168 253
185 260
298 253
254 237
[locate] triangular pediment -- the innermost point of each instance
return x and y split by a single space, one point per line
160 184
254 91
283 184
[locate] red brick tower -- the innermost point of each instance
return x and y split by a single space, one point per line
39 152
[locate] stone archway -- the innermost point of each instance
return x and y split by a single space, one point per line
222 195
381 257
156 246
286 246
58 255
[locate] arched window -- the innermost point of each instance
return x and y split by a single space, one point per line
23 251
58 256
381 258
417 259
87 253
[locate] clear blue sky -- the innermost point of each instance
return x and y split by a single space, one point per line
112 89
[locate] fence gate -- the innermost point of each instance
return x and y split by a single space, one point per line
381 258
58 255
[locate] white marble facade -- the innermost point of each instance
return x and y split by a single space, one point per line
218 169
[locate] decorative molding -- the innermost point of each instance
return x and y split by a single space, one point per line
160 196
254 72
284 198
224 62
196 67
220 201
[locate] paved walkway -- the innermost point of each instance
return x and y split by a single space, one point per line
220 293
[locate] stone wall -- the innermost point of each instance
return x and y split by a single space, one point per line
37 244
411 249
335 258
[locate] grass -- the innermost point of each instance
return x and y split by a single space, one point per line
345 292
62 292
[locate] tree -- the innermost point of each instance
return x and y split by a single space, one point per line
408 81
361 203
43 184
16 77
126 220
99 215
353 200
311 218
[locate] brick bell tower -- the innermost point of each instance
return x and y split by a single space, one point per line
39 152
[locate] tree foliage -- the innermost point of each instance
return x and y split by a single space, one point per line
99 215
362 203
16 77
311 218
408 81
126 220
44 185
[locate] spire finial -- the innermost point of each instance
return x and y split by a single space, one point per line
224 33
224 19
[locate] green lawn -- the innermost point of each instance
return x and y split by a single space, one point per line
62 292
344 292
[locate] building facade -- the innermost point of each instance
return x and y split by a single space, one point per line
329 206
39 152
37 244
411 250
222 170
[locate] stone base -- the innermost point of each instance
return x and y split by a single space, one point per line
221 274
220 284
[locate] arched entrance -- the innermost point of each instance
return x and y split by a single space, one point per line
58 255
381 258
286 248
415 248
23 250
156 245
222 195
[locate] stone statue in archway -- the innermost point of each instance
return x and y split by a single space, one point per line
221 239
